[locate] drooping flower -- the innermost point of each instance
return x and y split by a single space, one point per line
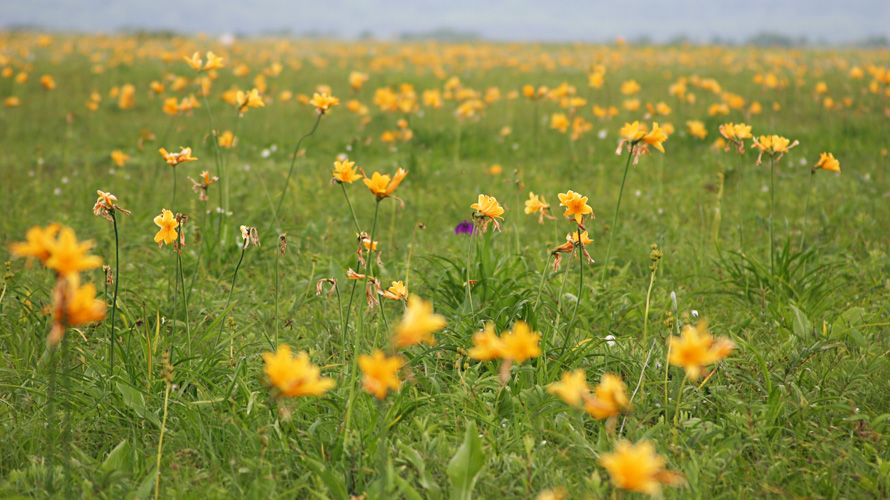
638 468
576 205
345 171
697 348
655 137
173 159
418 324
105 206
537 204
383 185
250 236
827 161
380 373
168 224
38 242
295 376
67 256
398 291
489 211
202 187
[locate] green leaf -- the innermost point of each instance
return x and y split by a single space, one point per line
801 325
335 484
465 466
135 401
118 459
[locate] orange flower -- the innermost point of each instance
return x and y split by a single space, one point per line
696 348
418 324
521 343
490 209
194 61
120 158
398 291
74 305
168 224
323 102
295 376
213 62
638 468
380 373
384 185
576 205
38 242
173 159
827 161
345 171
67 256
487 345
572 388
609 398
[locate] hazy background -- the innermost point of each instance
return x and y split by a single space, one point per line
816 21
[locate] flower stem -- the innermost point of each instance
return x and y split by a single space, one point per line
232 289
351 210
469 292
580 288
161 442
646 314
806 212
614 228
185 302
200 252
772 211
541 284
117 277
677 408
741 230
292 164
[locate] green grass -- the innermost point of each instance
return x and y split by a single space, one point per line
800 410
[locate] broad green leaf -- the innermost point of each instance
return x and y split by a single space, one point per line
466 464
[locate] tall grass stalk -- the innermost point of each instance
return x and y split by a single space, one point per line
614 228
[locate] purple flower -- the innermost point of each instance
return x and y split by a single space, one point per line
465 227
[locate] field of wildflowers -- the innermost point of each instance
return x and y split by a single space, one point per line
302 269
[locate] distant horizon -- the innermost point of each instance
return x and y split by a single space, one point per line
820 22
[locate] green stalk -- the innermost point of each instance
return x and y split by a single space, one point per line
117 264
229 300
469 246
646 315
806 212
200 252
292 164
185 301
741 230
351 210
541 284
615 219
772 210
161 442
580 288
277 320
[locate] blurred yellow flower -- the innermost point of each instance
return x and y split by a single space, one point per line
323 102
638 468
521 343
609 398
380 373
696 348
827 161
194 61
173 159
120 158
345 171
38 242
213 62
418 324
67 256
487 345
295 376
571 388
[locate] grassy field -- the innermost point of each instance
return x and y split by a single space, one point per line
799 409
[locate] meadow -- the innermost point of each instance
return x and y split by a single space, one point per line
717 327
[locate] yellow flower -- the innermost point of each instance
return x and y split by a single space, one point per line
357 79
345 171
418 324
521 343
559 122
630 87
773 145
397 291
194 61
171 106
38 242
573 237
120 158
251 99
67 256
489 207
609 398
323 102
173 159
227 139
380 373
168 224
655 137
572 388
575 205
47 82
74 305
827 161
487 345
213 62
696 348
384 185
631 132
12 102
295 376
697 129
636 468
